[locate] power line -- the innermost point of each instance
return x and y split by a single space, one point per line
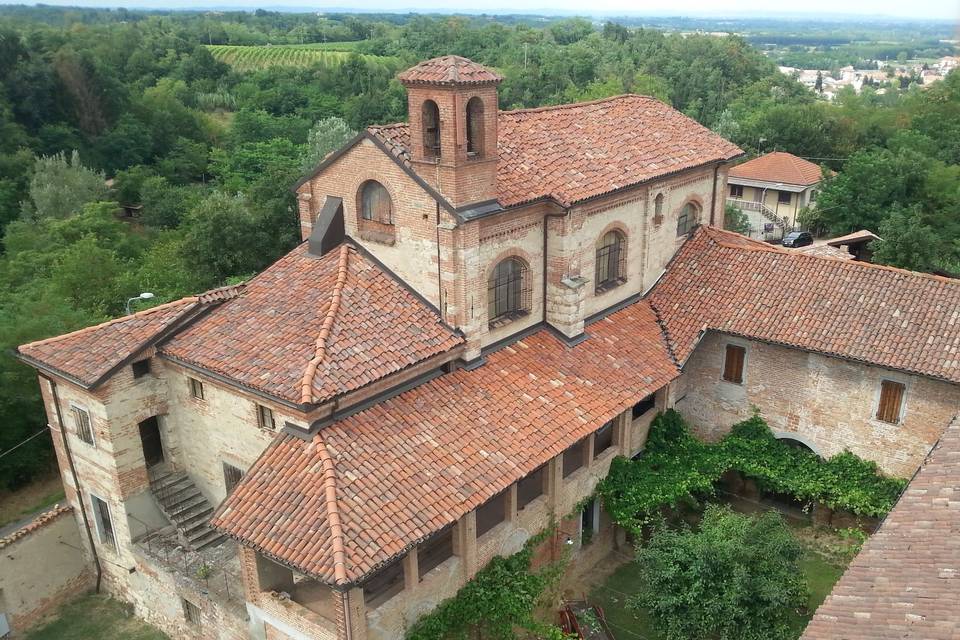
20 444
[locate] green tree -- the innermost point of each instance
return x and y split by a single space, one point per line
326 136
61 186
735 220
735 578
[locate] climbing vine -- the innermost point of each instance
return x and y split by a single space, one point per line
499 600
677 466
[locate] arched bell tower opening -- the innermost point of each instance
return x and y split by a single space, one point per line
452 103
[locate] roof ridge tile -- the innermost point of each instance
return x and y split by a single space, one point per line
306 386
333 512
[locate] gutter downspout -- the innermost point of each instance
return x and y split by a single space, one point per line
713 196
347 622
76 480
566 211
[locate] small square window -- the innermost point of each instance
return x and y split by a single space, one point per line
265 417
643 406
736 191
141 368
890 405
733 364
531 487
81 420
783 197
191 613
196 388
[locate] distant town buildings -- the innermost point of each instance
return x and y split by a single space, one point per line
828 82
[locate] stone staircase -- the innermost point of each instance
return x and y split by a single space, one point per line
186 508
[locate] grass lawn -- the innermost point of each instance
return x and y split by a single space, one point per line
627 624
96 618
37 495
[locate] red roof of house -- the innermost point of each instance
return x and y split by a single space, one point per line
91 353
905 582
578 151
409 466
449 70
879 315
779 166
307 329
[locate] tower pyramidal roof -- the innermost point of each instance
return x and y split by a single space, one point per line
449 70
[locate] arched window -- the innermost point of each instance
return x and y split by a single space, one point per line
430 122
688 218
507 291
375 204
475 126
611 261
658 210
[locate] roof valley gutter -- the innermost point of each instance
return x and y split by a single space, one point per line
76 480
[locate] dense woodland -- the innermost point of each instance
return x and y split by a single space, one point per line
100 109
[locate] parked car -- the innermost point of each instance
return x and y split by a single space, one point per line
797 239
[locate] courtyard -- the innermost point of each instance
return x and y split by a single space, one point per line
96 617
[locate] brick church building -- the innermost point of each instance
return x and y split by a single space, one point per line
487 307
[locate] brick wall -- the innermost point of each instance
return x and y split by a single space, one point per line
41 568
827 401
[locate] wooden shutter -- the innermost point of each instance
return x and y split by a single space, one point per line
891 398
733 364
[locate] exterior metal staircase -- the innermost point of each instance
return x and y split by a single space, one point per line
761 208
187 509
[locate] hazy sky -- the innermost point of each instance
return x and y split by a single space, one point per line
929 9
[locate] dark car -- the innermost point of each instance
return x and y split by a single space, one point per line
797 239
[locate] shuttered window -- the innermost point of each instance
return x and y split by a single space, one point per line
891 400
733 364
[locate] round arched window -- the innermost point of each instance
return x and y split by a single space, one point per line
507 291
475 126
610 268
688 218
375 204
430 123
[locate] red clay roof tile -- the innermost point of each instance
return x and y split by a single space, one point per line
90 353
905 582
415 463
449 70
340 314
725 282
578 151
779 166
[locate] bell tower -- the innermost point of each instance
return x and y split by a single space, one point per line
452 104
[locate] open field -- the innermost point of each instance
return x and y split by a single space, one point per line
34 497
252 58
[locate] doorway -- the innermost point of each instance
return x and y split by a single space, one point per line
151 442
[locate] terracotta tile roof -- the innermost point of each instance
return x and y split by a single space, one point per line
869 313
857 236
779 166
91 353
36 523
417 462
826 251
578 151
905 582
449 70
307 328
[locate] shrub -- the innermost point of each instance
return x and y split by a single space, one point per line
737 577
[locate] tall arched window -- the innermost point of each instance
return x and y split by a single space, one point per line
430 122
375 204
688 218
507 291
658 210
475 126
611 261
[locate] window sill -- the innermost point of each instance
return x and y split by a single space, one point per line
378 236
439 568
575 474
542 498
507 318
609 286
609 452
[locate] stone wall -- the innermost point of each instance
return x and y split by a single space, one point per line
42 566
828 402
